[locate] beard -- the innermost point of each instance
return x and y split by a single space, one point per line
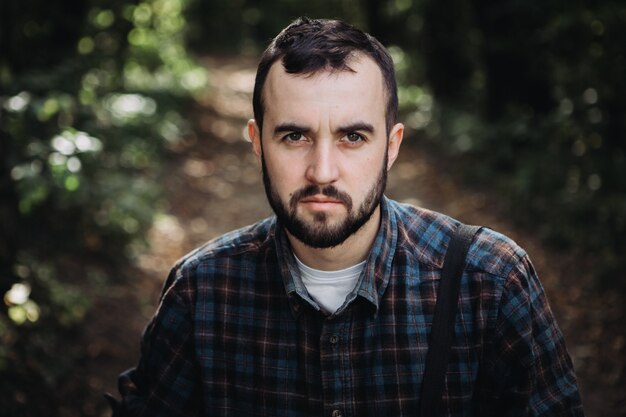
320 233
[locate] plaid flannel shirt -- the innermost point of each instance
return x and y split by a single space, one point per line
236 333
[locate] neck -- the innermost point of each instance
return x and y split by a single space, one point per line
353 250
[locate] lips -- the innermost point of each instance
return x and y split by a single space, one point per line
321 200
321 203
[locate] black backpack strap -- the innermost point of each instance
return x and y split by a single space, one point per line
442 331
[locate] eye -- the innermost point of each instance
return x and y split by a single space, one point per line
293 137
354 138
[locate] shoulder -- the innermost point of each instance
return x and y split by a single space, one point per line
221 253
495 253
193 272
427 234
247 239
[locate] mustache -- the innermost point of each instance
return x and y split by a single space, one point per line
328 191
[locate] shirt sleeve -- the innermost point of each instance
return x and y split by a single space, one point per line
529 370
165 382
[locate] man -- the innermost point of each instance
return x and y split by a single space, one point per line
326 308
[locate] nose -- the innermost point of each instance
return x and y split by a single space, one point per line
322 165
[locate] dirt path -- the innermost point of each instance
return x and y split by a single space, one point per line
214 185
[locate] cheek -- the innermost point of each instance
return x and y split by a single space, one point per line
366 175
283 176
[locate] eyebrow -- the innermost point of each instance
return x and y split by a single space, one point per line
355 127
351 127
290 127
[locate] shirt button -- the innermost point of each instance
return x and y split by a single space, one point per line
337 413
333 340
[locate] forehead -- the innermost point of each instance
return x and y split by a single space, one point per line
336 94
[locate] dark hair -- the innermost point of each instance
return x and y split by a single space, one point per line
307 46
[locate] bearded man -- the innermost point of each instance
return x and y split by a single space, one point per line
326 308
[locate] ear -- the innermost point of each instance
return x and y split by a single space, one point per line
255 137
393 144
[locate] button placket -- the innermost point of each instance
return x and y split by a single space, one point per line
335 367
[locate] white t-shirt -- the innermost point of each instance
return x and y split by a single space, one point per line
329 288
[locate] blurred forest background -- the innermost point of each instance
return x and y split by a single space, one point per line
522 102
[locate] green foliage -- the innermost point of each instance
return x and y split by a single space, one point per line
247 26
88 111
537 115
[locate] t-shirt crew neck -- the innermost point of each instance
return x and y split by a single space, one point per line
329 288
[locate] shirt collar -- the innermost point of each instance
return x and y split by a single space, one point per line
374 278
